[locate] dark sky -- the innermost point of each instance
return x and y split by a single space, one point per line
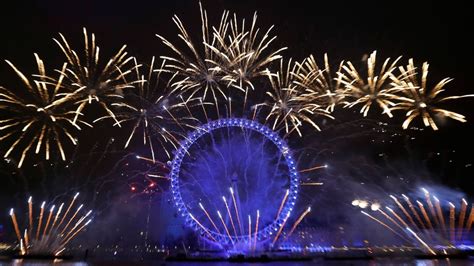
421 29
435 31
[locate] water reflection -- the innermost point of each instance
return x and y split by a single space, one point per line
22 262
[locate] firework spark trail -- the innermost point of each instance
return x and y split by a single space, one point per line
313 168
15 224
68 209
452 218
56 217
413 210
237 213
174 118
203 228
440 215
25 237
430 206
51 211
390 219
77 225
298 221
462 217
385 225
281 229
256 230
74 234
230 215
250 231
209 217
410 218
287 192
159 176
421 241
40 220
30 216
225 226
71 219
22 248
229 101
470 220
312 184
425 215
151 160
59 251
397 216
204 110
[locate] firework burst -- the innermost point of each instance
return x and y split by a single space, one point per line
375 87
51 231
321 83
231 57
245 54
94 82
195 69
38 116
149 106
291 104
420 101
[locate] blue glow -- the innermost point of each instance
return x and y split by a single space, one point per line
183 205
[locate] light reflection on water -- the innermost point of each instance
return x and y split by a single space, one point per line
377 262
21 262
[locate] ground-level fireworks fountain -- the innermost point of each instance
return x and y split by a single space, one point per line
432 225
49 233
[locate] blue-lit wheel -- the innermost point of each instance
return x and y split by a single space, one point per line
227 171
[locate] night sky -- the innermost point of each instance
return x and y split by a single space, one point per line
426 31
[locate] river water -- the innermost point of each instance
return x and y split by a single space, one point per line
375 262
